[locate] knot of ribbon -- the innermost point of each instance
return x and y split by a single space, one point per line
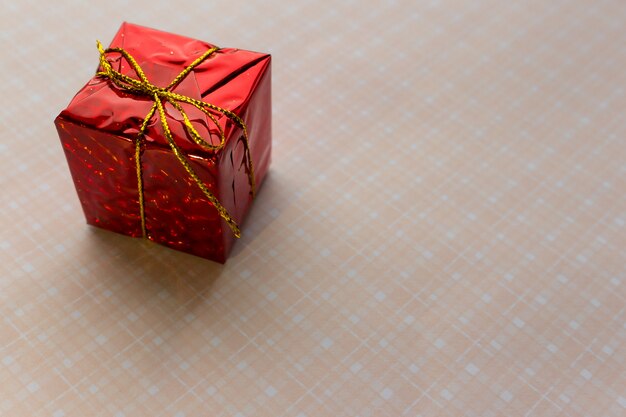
142 86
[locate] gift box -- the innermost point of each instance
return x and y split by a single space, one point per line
170 139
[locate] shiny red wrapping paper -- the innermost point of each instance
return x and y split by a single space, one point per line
99 127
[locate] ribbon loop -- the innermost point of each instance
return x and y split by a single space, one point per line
159 95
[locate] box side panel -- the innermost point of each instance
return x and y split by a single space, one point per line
260 119
104 176
234 189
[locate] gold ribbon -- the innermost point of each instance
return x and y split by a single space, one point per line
144 87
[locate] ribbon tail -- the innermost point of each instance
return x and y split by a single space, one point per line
139 170
142 211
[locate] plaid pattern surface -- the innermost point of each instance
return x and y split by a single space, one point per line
442 232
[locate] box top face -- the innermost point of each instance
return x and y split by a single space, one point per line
227 78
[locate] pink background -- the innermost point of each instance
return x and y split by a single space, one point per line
443 231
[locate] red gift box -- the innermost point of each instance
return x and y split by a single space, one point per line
173 158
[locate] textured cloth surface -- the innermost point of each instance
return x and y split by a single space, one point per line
443 230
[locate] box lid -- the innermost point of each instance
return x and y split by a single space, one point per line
227 79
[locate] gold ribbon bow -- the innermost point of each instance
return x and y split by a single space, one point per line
144 87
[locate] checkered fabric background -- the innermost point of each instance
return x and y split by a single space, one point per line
443 231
